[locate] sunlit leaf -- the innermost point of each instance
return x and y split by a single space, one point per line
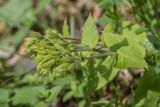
90 33
114 41
129 57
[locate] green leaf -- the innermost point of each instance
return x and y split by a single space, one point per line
152 99
100 73
130 57
155 83
25 95
108 28
102 81
68 96
54 93
126 24
41 92
65 28
92 78
106 72
133 37
19 36
105 20
114 41
4 95
42 4
4 105
102 102
90 33
41 104
143 87
18 7
157 67
63 81
82 103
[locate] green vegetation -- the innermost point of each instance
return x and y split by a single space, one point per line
118 66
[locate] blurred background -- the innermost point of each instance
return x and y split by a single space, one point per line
20 84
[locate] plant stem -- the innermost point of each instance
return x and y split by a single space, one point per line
72 25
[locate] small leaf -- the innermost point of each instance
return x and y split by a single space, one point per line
65 28
68 96
41 104
126 24
102 102
108 28
90 33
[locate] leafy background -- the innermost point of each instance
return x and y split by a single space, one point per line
137 20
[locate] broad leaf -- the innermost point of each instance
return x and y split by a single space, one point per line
25 95
90 33
130 57
102 73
